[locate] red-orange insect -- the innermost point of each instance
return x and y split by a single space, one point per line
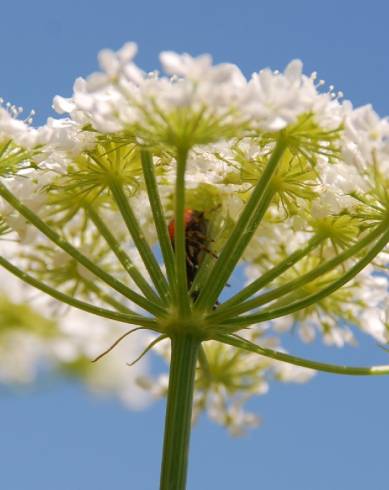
196 241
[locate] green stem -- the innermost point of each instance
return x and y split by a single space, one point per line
300 281
106 298
159 216
137 235
123 257
15 158
245 227
4 148
179 242
129 318
271 274
242 343
78 256
316 297
179 412
203 361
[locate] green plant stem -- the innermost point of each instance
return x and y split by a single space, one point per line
159 216
78 256
242 343
129 318
140 242
301 281
203 361
179 412
3 148
122 256
13 159
271 274
107 298
179 239
245 227
316 297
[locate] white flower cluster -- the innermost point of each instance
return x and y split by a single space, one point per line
123 94
361 303
328 206
30 344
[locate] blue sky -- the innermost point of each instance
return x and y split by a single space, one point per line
330 433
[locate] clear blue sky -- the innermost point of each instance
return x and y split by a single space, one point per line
329 434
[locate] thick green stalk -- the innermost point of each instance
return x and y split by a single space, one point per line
316 297
179 412
179 239
245 227
242 343
159 216
129 318
140 242
123 257
300 281
78 256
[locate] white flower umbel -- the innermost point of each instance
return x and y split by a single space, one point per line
36 336
203 170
